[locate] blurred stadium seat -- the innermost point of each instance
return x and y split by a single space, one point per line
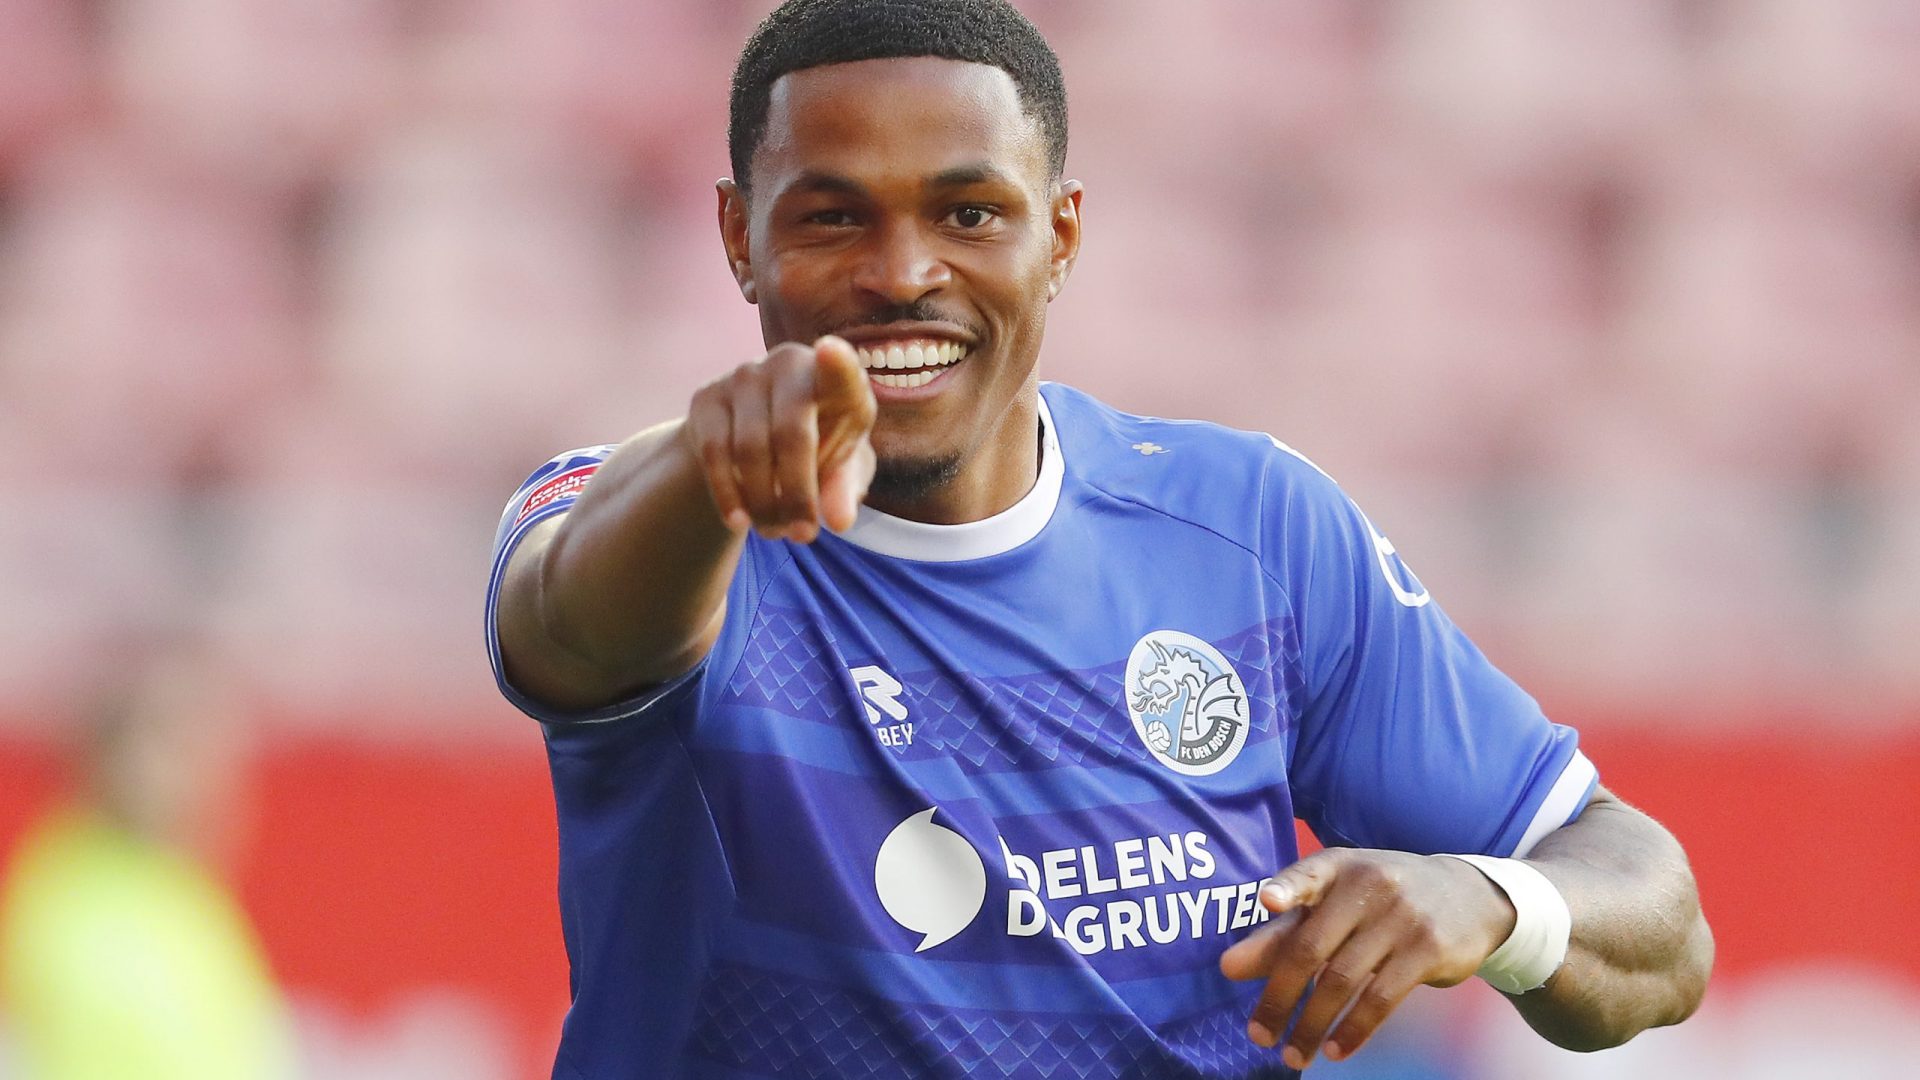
46 78
147 295
270 88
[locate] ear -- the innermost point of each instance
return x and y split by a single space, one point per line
1066 235
733 236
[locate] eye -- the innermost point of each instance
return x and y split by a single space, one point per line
970 218
832 219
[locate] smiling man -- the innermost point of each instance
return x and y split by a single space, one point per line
909 717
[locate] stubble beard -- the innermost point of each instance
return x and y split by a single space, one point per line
910 480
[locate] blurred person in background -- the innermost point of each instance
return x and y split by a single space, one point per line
122 953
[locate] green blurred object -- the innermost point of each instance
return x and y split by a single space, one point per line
120 958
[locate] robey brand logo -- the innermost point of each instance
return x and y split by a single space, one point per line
880 697
1187 703
1133 892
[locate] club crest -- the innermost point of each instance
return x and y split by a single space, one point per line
1188 705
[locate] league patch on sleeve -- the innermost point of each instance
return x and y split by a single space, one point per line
564 486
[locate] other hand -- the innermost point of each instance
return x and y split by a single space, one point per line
1364 927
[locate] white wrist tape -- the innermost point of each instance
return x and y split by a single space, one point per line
1541 926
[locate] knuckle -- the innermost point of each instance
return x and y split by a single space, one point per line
1303 952
787 356
790 439
1379 880
1271 1013
1370 873
1352 1036
751 439
747 378
1338 981
1421 930
1372 1003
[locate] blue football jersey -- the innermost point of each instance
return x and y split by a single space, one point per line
989 800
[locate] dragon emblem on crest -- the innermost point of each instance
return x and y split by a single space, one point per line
1187 703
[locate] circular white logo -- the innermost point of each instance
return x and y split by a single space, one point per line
930 879
1188 704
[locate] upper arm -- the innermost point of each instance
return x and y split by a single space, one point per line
536 664
532 657
1409 737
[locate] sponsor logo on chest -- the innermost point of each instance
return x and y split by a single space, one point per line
1135 892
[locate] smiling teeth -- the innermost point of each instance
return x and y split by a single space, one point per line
918 354
904 381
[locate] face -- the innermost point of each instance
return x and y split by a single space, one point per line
907 205
173 767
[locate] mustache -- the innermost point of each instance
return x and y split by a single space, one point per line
918 311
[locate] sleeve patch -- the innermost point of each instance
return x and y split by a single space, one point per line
564 486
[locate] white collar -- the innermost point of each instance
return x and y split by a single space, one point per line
884 534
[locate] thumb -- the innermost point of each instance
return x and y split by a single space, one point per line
1301 885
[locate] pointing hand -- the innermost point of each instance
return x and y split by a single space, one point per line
783 440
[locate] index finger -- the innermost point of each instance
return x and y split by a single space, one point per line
1295 959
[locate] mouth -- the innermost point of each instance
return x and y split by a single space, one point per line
908 363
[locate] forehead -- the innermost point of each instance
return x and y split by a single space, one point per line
912 116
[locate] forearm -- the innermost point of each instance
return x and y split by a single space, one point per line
628 588
1640 950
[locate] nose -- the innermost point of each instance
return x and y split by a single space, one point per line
900 265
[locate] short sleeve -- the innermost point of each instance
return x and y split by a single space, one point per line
552 490
1408 738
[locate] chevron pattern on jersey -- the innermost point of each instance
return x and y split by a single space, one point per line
790 1027
1034 721
1022 722
789 665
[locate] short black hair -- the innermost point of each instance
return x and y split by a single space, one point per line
803 34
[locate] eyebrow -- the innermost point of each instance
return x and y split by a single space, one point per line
965 175
815 180
812 180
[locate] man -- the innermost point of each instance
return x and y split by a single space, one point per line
910 718
121 952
